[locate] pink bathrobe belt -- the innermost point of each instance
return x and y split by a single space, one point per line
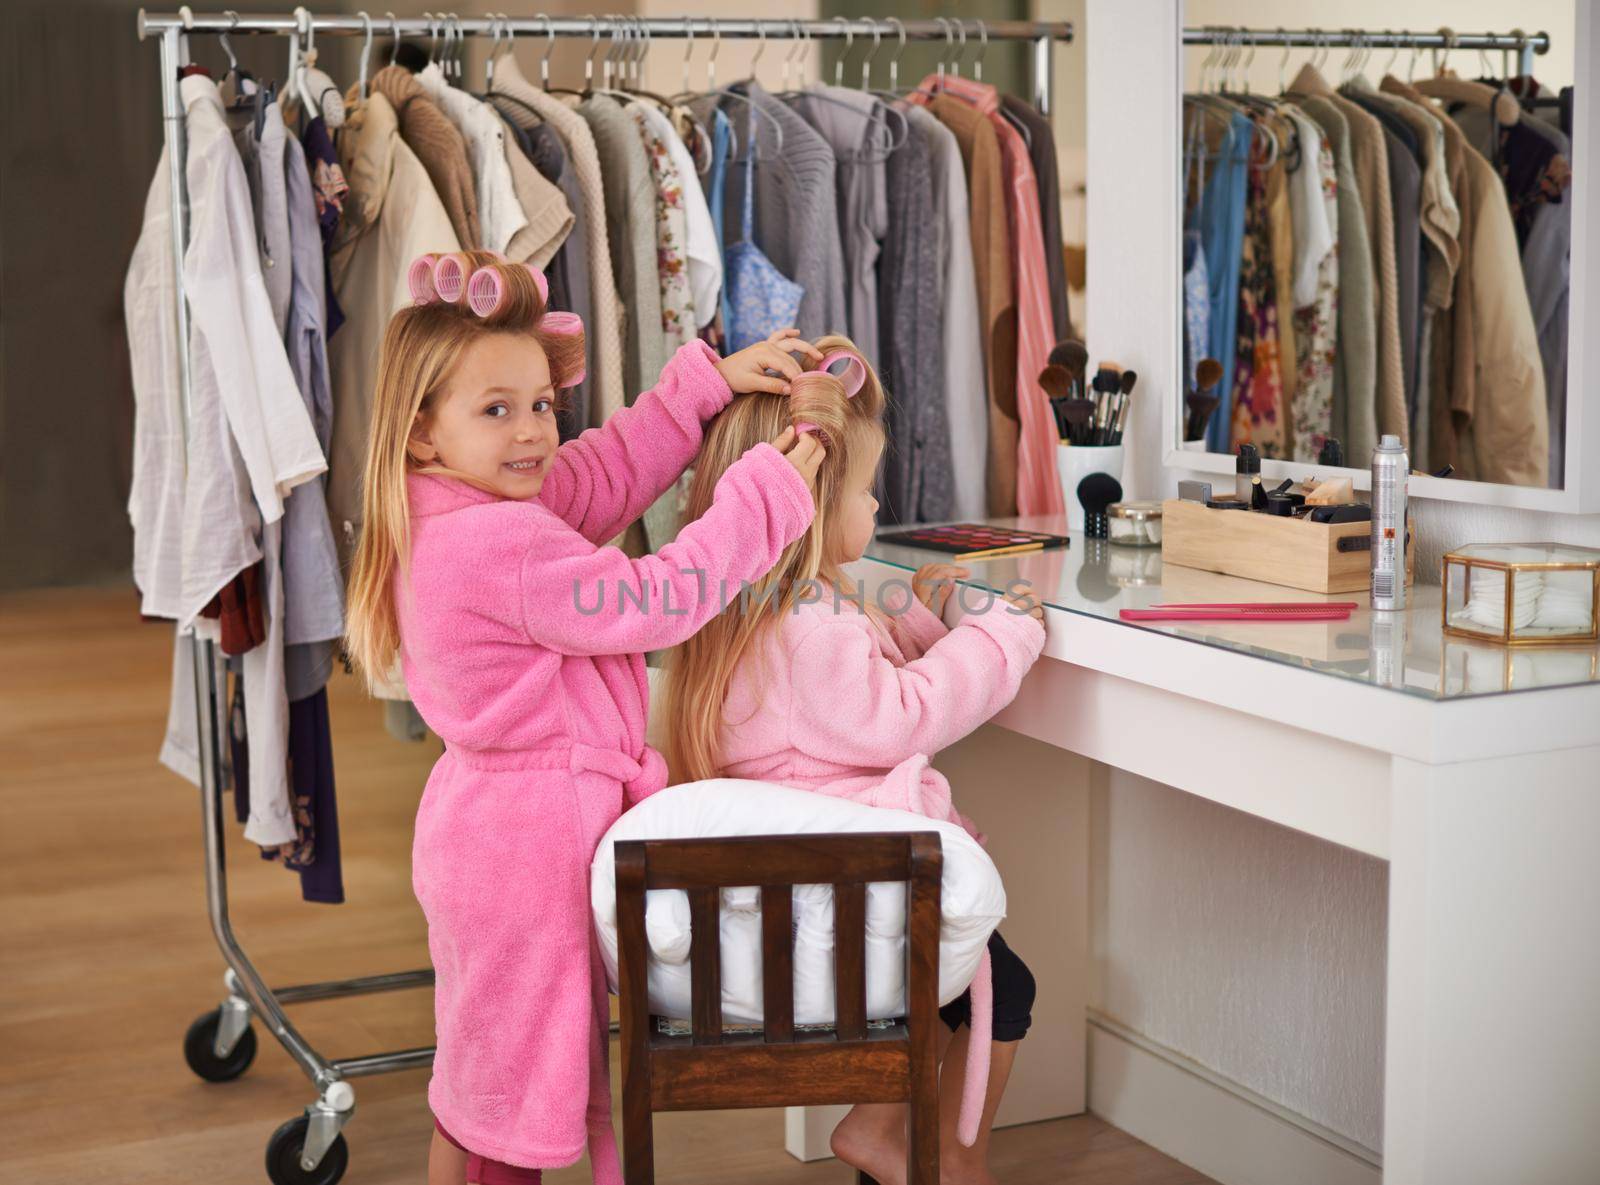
640 778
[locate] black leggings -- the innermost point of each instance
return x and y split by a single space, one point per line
1013 995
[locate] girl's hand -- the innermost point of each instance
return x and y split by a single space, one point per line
933 582
1020 596
746 371
805 453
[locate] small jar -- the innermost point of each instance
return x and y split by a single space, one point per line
1135 524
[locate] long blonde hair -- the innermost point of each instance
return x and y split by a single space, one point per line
421 348
700 670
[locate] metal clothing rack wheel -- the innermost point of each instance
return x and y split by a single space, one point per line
220 1045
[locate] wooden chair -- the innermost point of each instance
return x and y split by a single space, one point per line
778 1067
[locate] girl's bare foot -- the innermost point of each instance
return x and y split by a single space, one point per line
872 1139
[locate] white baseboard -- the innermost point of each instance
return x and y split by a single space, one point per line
1218 1127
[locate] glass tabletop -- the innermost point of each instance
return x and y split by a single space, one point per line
1405 652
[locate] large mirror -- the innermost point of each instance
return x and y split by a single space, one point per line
1377 233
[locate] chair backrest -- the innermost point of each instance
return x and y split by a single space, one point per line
776 863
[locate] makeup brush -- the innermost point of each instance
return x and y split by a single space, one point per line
1119 411
1071 354
1202 402
1057 381
1095 493
1107 382
1078 413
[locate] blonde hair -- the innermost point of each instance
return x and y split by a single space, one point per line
422 347
700 670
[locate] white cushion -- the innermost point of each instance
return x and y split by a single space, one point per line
974 902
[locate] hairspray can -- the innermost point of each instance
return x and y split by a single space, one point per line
1390 467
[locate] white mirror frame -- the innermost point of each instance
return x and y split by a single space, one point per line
1135 229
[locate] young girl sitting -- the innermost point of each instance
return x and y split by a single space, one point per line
521 641
810 684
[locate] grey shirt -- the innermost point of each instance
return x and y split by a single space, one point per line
965 389
796 207
916 469
631 228
846 118
263 167
313 588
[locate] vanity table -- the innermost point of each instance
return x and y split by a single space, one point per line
1473 769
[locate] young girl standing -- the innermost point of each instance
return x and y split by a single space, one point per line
521 639
821 690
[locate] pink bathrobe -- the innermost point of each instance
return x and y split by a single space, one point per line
826 702
541 703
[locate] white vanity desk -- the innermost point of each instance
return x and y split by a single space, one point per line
1473 769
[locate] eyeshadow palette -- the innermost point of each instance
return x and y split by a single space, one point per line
974 541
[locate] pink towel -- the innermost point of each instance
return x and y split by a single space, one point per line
519 653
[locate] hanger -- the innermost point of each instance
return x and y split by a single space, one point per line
366 49
394 25
1500 103
727 93
880 112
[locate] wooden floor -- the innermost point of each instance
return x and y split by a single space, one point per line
106 954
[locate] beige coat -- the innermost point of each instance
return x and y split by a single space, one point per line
391 215
1490 418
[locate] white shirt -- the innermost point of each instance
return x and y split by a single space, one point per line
250 439
1315 227
500 214
703 249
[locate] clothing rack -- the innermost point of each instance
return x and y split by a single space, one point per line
221 1044
1224 36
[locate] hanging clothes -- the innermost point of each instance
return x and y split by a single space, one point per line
1279 441
261 150
313 585
500 215
849 120
702 242
966 415
568 269
795 206
392 215
1042 149
678 319
631 229
916 470
991 255
761 299
429 134
1258 405
1314 210
1038 486
1221 222
205 512
531 106
1356 366
329 187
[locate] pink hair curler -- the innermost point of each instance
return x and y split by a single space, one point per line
560 324
486 289
450 277
419 279
802 427
854 375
